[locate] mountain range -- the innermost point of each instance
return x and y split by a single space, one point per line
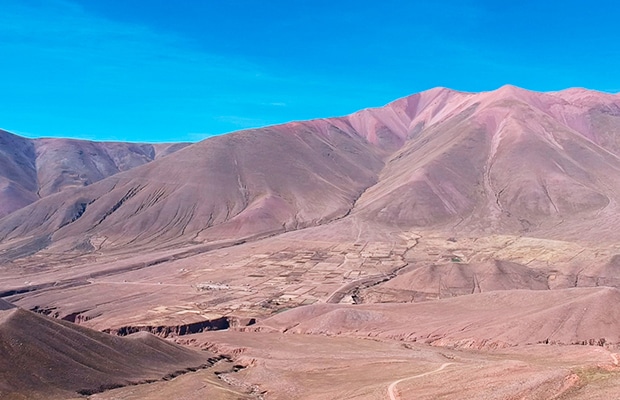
443 220
505 161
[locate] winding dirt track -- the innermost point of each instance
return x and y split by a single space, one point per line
392 387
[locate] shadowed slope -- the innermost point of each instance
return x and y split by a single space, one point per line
45 358
32 169
433 178
5 305
64 163
18 175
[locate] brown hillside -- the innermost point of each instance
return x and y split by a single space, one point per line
45 358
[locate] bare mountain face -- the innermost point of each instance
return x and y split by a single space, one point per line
237 185
18 177
33 169
506 161
503 161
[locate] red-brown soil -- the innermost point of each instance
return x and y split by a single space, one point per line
492 319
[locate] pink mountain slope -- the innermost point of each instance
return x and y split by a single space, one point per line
508 161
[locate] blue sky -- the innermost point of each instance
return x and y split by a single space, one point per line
159 70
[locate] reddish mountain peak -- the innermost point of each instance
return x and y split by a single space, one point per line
510 89
510 92
586 98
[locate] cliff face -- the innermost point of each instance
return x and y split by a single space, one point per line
165 331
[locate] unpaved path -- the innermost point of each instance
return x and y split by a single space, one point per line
392 387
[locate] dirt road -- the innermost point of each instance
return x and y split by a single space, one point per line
392 388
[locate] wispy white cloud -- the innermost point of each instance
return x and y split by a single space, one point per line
63 30
88 76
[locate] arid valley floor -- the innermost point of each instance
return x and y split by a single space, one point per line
446 246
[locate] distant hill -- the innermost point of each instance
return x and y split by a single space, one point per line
31 169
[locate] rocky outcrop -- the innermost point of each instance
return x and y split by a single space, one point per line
165 331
